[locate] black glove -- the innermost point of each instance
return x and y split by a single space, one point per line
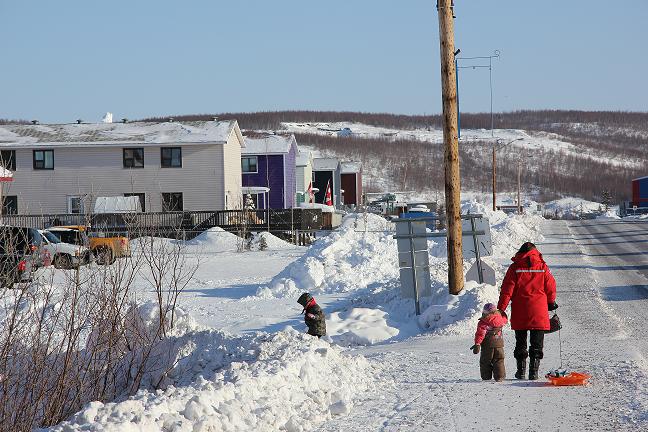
475 349
552 306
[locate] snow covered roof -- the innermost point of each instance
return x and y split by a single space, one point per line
350 167
268 143
304 158
640 178
325 164
325 208
117 204
101 134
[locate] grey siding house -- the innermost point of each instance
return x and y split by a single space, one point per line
170 166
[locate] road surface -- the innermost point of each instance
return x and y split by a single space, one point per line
602 272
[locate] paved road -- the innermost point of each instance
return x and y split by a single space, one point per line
430 383
613 257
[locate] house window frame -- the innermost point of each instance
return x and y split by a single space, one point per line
11 165
142 199
170 159
6 208
43 167
132 158
70 207
256 164
165 202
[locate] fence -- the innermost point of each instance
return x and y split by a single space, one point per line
186 224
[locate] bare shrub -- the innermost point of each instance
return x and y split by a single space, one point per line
75 336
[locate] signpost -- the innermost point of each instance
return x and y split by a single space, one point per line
413 259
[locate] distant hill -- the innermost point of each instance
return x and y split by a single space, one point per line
576 153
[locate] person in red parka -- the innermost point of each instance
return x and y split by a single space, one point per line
531 289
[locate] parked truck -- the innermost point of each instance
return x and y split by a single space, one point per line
105 249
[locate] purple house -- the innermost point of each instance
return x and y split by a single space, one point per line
268 169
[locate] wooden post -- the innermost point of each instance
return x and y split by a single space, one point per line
519 174
494 181
451 141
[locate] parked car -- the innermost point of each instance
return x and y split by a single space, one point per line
61 254
105 249
19 254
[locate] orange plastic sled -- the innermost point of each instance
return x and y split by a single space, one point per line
572 379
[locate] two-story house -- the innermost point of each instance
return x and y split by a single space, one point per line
268 166
169 166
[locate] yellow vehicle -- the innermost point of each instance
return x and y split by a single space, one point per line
105 249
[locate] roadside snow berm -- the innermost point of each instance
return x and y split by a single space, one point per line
560 377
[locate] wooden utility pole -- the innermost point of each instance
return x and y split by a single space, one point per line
451 141
519 209
494 179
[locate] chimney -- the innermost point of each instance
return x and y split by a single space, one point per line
79 121
34 122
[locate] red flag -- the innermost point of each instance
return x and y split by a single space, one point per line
309 191
328 200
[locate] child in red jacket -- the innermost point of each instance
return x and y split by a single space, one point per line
489 340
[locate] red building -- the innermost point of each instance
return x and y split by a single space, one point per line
639 192
351 179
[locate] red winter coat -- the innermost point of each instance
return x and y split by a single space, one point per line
490 328
531 287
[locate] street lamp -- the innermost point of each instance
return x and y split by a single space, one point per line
495 148
477 63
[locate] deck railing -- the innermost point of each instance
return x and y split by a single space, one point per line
173 224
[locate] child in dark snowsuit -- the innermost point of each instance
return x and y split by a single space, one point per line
313 315
489 340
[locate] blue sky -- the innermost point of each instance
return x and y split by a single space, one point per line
78 59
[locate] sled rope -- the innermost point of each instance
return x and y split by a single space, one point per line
560 348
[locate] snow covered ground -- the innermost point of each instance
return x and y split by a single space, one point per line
244 363
602 280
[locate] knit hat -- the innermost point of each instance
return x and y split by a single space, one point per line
489 308
304 299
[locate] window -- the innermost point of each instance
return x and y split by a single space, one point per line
10 205
8 159
249 164
134 157
172 201
142 199
171 157
43 159
75 204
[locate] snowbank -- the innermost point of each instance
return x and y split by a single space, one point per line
457 314
571 208
359 326
365 264
272 242
264 382
346 260
216 240
508 231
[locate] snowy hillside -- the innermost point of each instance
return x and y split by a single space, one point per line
528 143
551 165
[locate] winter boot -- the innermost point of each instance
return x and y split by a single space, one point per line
534 365
521 368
